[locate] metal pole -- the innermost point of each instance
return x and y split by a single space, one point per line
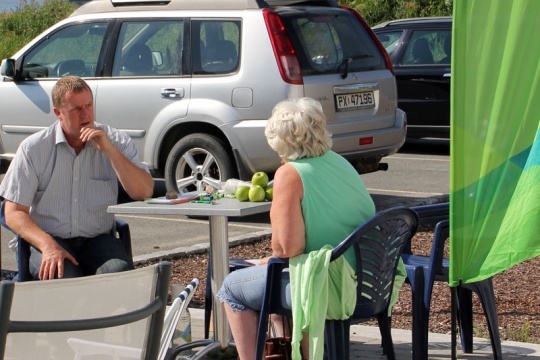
219 250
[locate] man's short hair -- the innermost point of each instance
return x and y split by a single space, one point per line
297 129
68 83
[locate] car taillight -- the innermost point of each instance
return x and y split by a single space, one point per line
374 37
289 67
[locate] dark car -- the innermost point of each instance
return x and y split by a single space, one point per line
420 51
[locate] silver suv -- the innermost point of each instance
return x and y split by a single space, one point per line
193 82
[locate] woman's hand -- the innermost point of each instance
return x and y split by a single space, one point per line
264 260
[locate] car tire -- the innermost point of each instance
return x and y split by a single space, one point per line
195 161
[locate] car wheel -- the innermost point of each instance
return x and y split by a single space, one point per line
195 161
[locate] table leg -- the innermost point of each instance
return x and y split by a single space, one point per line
219 250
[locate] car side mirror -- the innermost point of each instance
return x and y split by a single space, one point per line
7 68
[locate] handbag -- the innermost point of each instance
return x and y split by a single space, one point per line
278 347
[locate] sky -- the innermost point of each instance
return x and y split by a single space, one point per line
10 5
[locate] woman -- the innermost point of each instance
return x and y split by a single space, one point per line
318 199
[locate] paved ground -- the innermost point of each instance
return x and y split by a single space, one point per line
365 344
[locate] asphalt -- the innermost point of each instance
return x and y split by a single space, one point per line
381 201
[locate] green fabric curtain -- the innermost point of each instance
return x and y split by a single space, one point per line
495 141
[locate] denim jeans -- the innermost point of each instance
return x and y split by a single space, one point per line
244 289
99 255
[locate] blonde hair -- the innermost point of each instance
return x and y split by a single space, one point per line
297 129
67 83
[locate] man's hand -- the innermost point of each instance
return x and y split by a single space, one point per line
96 136
53 257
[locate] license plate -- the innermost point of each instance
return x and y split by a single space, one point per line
355 101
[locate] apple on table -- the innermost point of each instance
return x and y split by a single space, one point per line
260 178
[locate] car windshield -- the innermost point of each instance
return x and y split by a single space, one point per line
329 40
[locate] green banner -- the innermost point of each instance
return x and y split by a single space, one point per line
495 141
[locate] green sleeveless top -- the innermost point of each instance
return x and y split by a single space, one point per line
335 201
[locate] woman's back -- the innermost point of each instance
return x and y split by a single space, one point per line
335 200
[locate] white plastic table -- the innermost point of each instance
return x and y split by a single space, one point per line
218 215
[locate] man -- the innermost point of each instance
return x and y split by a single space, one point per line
60 183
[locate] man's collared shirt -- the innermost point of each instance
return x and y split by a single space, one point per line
68 194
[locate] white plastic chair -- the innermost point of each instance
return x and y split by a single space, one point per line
106 315
175 311
84 348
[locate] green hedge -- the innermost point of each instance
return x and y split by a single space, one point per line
28 21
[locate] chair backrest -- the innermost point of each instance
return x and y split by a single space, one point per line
138 60
178 306
377 245
223 54
53 319
71 67
421 52
438 266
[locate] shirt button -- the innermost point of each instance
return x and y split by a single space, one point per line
74 200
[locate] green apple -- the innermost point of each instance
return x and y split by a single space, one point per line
260 178
242 193
269 192
256 193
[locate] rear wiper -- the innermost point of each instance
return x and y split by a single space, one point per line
347 62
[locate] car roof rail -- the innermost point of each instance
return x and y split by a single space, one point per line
421 20
101 6
325 3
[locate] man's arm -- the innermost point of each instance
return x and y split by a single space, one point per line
53 255
136 181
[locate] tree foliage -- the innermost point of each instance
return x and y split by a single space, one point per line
28 21
31 18
378 11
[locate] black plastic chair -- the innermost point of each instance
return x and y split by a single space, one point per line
377 246
427 214
120 230
436 268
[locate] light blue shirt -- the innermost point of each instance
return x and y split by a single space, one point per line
68 194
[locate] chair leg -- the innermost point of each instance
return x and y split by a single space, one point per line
420 313
208 303
465 318
484 290
453 325
386 334
337 339
261 334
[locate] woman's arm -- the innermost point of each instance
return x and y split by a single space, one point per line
288 228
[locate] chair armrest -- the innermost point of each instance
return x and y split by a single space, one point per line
278 260
432 214
124 234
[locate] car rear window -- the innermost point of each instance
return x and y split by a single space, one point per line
329 40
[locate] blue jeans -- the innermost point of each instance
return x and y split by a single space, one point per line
244 289
99 255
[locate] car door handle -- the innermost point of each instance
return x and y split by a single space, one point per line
172 93
447 75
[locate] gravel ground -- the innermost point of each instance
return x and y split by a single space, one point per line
516 291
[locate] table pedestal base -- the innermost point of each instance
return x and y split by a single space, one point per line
210 347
